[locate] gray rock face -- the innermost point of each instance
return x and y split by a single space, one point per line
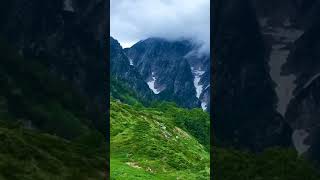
172 71
200 68
303 62
303 115
244 97
279 32
291 31
121 69
164 70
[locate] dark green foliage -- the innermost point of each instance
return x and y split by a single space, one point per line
272 164
119 90
53 119
194 121
29 155
33 94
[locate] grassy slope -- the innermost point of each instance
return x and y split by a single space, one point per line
147 143
29 155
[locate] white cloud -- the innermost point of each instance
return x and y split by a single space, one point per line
134 20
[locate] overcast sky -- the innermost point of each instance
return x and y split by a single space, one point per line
134 20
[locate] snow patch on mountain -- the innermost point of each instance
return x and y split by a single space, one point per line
282 36
298 138
285 84
151 84
204 105
68 5
131 61
197 73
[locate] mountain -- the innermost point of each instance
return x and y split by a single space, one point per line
292 36
156 131
172 71
252 117
286 36
302 63
200 68
245 101
121 69
163 67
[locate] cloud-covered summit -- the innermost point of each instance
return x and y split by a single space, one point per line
135 20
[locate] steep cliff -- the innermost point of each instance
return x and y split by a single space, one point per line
245 101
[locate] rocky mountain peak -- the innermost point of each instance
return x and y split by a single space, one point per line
168 70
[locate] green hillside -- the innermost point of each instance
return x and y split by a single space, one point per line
272 164
29 155
156 143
